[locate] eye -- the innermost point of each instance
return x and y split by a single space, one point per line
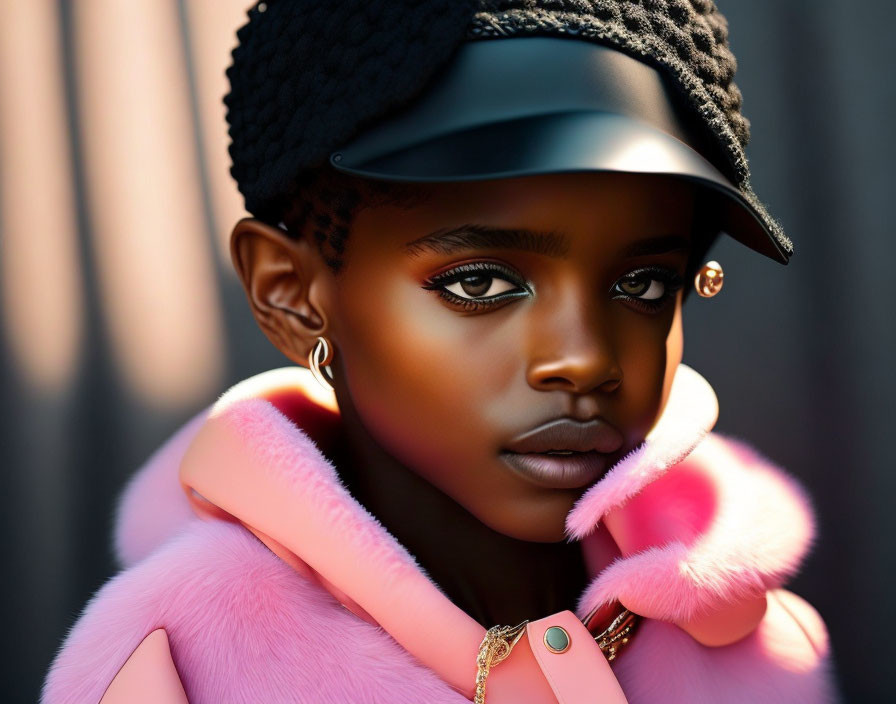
647 289
650 288
477 284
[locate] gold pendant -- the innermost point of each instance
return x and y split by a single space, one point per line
495 647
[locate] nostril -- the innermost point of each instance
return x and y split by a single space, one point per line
611 385
569 383
577 373
556 381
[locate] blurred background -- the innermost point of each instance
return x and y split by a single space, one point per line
120 316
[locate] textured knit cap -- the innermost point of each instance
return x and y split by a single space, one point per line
307 76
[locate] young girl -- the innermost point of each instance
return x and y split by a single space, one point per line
476 224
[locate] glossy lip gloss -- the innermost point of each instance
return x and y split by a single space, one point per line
571 471
563 453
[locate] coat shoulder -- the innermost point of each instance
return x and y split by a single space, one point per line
786 659
180 582
801 617
243 627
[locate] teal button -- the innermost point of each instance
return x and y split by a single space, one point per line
556 639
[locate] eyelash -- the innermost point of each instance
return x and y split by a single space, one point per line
671 281
438 282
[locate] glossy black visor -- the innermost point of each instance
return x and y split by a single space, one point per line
534 105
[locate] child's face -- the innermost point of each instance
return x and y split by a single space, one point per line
445 371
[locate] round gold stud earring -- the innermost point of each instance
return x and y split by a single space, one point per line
319 359
709 279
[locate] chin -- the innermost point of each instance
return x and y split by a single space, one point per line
540 519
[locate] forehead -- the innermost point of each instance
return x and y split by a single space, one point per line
549 214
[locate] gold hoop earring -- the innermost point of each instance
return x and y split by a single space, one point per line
709 279
319 359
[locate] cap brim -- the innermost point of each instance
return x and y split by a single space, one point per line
566 143
525 106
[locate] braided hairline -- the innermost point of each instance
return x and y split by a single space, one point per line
323 203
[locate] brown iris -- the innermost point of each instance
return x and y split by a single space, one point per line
476 285
634 287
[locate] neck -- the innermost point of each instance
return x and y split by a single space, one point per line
494 578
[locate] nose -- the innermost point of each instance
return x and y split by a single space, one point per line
573 351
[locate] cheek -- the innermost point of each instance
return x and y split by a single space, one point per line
421 376
649 362
674 349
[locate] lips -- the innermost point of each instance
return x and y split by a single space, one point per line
563 453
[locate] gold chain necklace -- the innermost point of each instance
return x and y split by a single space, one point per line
499 641
617 634
495 646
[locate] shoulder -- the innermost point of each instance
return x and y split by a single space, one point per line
785 659
243 626
203 576
791 646
797 618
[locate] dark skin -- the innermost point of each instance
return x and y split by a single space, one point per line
432 386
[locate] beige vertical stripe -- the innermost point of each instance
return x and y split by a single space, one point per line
41 278
145 199
213 25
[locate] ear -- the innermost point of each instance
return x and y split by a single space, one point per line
287 283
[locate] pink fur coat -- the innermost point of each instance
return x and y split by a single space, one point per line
701 523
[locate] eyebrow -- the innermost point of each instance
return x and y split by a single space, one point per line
448 241
552 244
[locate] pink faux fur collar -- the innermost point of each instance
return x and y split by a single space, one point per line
724 526
700 521
690 413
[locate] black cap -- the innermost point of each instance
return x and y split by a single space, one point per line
413 89
533 105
